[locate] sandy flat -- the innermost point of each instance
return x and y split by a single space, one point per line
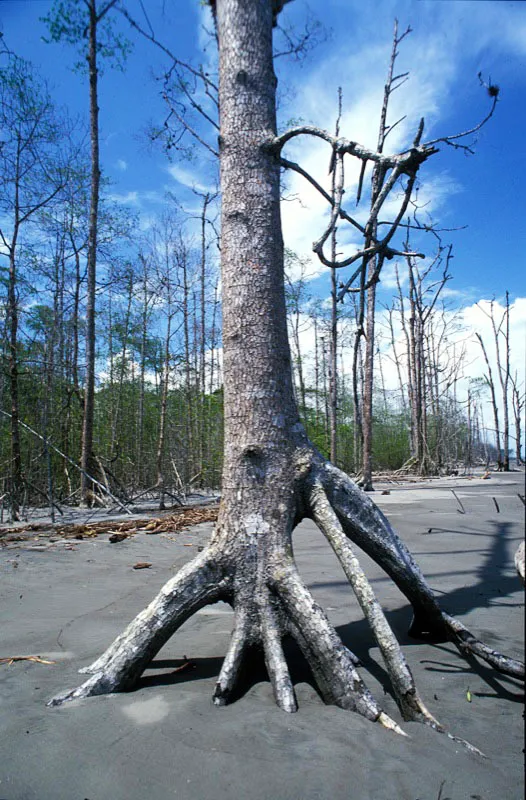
65 601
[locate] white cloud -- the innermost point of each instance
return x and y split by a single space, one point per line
121 165
304 221
435 55
477 319
126 199
136 198
192 179
459 344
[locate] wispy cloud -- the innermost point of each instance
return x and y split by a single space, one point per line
137 199
125 199
191 179
435 55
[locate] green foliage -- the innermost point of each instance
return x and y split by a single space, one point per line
68 22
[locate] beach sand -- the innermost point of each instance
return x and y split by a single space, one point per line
65 601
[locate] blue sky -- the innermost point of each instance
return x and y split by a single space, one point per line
452 41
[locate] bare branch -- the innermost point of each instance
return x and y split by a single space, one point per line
451 140
407 161
187 127
284 162
197 73
360 181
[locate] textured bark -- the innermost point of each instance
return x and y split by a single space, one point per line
273 477
86 458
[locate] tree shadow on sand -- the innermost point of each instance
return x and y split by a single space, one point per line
492 580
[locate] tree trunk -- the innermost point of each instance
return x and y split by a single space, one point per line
373 266
504 376
491 386
272 475
12 316
117 404
203 423
140 471
518 405
333 349
86 458
367 414
188 392
165 384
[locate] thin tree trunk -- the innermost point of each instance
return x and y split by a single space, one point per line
316 375
367 417
333 348
518 406
491 386
162 416
503 371
142 370
75 321
122 372
16 480
86 460
203 433
372 268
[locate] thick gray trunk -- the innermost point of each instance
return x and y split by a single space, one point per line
272 475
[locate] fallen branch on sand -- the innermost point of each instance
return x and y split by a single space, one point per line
11 660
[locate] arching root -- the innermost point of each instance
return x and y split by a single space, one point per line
277 602
409 701
233 660
332 664
470 645
364 523
196 585
275 660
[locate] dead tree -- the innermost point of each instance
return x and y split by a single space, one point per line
373 265
82 24
32 176
488 377
501 333
333 339
273 477
518 399
416 321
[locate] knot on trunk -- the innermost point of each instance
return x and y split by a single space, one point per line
255 462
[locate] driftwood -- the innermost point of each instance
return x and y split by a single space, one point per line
519 561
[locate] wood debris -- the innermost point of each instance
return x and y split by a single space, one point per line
118 537
185 665
11 660
142 565
174 521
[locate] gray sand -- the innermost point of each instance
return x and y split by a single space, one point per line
66 601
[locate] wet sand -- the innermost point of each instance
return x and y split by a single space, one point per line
65 600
